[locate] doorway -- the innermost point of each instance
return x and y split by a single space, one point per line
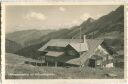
91 63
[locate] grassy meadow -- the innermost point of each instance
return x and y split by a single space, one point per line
17 69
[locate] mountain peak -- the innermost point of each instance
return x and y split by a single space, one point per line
120 8
87 22
90 19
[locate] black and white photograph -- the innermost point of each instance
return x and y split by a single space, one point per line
64 41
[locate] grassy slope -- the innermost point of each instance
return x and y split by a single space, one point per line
12 46
15 65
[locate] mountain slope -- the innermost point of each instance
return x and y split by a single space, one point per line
11 46
23 37
114 21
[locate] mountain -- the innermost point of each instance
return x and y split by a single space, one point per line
114 21
24 37
109 27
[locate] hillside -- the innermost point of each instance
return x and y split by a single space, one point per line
25 36
15 64
11 46
107 24
112 30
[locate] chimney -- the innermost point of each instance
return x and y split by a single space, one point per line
85 42
84 38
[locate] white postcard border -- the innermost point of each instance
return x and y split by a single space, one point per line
61 81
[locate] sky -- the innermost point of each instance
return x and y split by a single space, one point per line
42 17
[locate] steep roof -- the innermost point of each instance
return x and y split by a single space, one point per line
92 45
79 47
75 43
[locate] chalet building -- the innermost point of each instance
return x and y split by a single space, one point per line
79 52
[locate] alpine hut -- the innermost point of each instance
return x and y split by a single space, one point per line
75 51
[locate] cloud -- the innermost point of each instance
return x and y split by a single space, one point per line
39 16
62 9
75 22
85 16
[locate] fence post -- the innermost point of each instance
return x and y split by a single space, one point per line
56 63
47 64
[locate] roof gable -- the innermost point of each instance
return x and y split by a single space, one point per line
79 47
59 43
92 45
